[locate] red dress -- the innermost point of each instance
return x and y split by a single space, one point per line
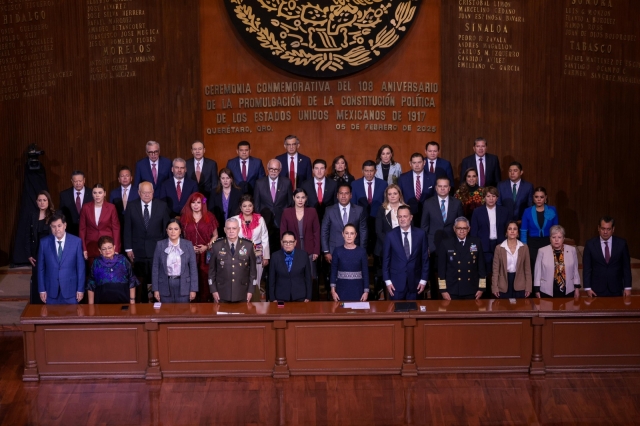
201 233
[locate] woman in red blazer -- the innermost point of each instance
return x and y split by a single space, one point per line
98 218
300 218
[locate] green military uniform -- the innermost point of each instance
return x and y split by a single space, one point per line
231 275
461 268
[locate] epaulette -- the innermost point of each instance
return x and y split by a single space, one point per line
245 239
219 238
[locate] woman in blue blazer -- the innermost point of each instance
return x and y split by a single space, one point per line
537 220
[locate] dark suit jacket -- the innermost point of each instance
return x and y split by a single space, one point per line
491 169
68 208
214 204
481 228
461 270
289 286
68 275
359 193
332 227
329 192
140 239
443 169
304 167
188 269
255 171
167 193
143 172
403 272
383 227
432 223
108 224
208 175
310 228
408 188
524 198
263 203
606 279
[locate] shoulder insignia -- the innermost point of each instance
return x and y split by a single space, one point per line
219 239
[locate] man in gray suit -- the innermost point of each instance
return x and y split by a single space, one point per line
336 217
438 216
232 268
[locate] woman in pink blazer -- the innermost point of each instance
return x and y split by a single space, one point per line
556 272
98 218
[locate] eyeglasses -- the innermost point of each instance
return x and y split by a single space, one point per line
288 242
457 228
273 170
153 152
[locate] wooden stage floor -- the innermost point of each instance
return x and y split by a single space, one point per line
457 399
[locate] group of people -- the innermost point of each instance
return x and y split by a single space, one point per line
190 232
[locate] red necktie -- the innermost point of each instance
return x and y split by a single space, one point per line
244 170
369 193
319 192
292 173
481 183
178 191
418 188
154 173
431 168
78 203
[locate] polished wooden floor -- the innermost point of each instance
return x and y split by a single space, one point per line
557 399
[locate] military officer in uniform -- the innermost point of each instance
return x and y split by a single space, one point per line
461 266
232 268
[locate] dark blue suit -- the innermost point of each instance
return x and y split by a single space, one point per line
303 171
491 169
167 193
359 194
61 280
408 188
606 279
405 274
143 172
442 169
481 228
524 198
255 171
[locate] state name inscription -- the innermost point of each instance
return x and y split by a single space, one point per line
350 105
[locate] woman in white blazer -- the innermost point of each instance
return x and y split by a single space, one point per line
556 271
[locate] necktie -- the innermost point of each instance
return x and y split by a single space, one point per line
146 215
607 254
233 249
59 251
154 173
514 192
198 171
418 188
273 190
443 210
345 219
431 170
319 192
369 193
407 248
292 173
462 243
178 190
78 202
124 199
481 182
244 170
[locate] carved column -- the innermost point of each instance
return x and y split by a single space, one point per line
30 365
153 367
537 363
280 369
409 360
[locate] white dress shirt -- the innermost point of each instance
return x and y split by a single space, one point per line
493 232
63 239
366 186
97 212
512 258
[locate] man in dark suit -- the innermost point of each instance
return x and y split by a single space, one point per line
272 195
202 170
336 217
405 259
124 193
435 165
289 272
368 193
72 199
461 267
176 191
416 182
293 163
321 192
438 216
155 169
245 168
232 268
61 268
487 165
145 223
606 263
516 194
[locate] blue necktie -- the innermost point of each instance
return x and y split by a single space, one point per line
59 251
444 211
